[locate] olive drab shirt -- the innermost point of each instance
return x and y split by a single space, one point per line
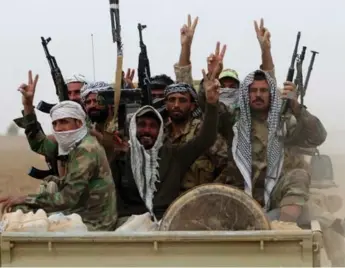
87 188
305 131
211 166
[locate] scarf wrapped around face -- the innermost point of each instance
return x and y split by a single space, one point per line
94 88
144 163
229 96
242 145
68 139
184 88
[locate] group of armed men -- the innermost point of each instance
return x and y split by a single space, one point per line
209 136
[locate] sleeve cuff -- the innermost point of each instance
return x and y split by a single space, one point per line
182 68
29 119
272 72
31 199
293 201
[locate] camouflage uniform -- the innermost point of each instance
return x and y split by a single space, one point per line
87 187
209 167
183 74
293 186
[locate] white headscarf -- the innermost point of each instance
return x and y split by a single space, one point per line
145 163
76 78
94 88
68 139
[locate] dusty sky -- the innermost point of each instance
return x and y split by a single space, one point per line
71 22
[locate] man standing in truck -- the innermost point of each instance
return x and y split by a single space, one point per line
184 125
259 163
149 177
85 185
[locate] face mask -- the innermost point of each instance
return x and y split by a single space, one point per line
229 96
68 139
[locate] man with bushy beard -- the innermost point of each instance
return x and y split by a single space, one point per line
184 125
100 116
149 179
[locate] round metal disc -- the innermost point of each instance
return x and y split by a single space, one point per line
214 207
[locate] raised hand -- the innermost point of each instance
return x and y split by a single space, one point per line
211 86
187 31
28 90
215 60
290 92
129 78
263 35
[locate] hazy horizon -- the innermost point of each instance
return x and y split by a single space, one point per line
71 23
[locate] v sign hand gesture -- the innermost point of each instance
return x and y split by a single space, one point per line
211 86
28 90
263 35
187 31
215 61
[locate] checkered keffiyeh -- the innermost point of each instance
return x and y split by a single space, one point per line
242 145
184 88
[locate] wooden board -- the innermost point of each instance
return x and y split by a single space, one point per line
214 207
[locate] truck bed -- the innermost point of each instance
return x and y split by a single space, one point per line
300 248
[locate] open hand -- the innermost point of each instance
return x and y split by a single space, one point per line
211 86
28 90
129 78
187 31
263 35
10 201
215 61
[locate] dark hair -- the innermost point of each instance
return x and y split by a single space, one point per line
162 79
259 76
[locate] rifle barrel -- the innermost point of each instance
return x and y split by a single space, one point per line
310 68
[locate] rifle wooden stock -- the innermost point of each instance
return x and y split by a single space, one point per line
117 91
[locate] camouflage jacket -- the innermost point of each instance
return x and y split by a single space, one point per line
183 74
304 131
210 167
87 188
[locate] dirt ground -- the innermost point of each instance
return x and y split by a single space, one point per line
16 159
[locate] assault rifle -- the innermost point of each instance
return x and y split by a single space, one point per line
62 93
299 77
290 74
60 86
310 68
144 73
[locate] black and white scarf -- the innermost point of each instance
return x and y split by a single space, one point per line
242 145
184 88
145 163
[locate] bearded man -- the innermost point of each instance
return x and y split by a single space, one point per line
85 185
184 125
257 163
150 178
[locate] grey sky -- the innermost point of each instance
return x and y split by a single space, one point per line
70 23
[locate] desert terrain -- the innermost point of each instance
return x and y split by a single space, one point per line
16 159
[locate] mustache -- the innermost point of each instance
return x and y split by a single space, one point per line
258 99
